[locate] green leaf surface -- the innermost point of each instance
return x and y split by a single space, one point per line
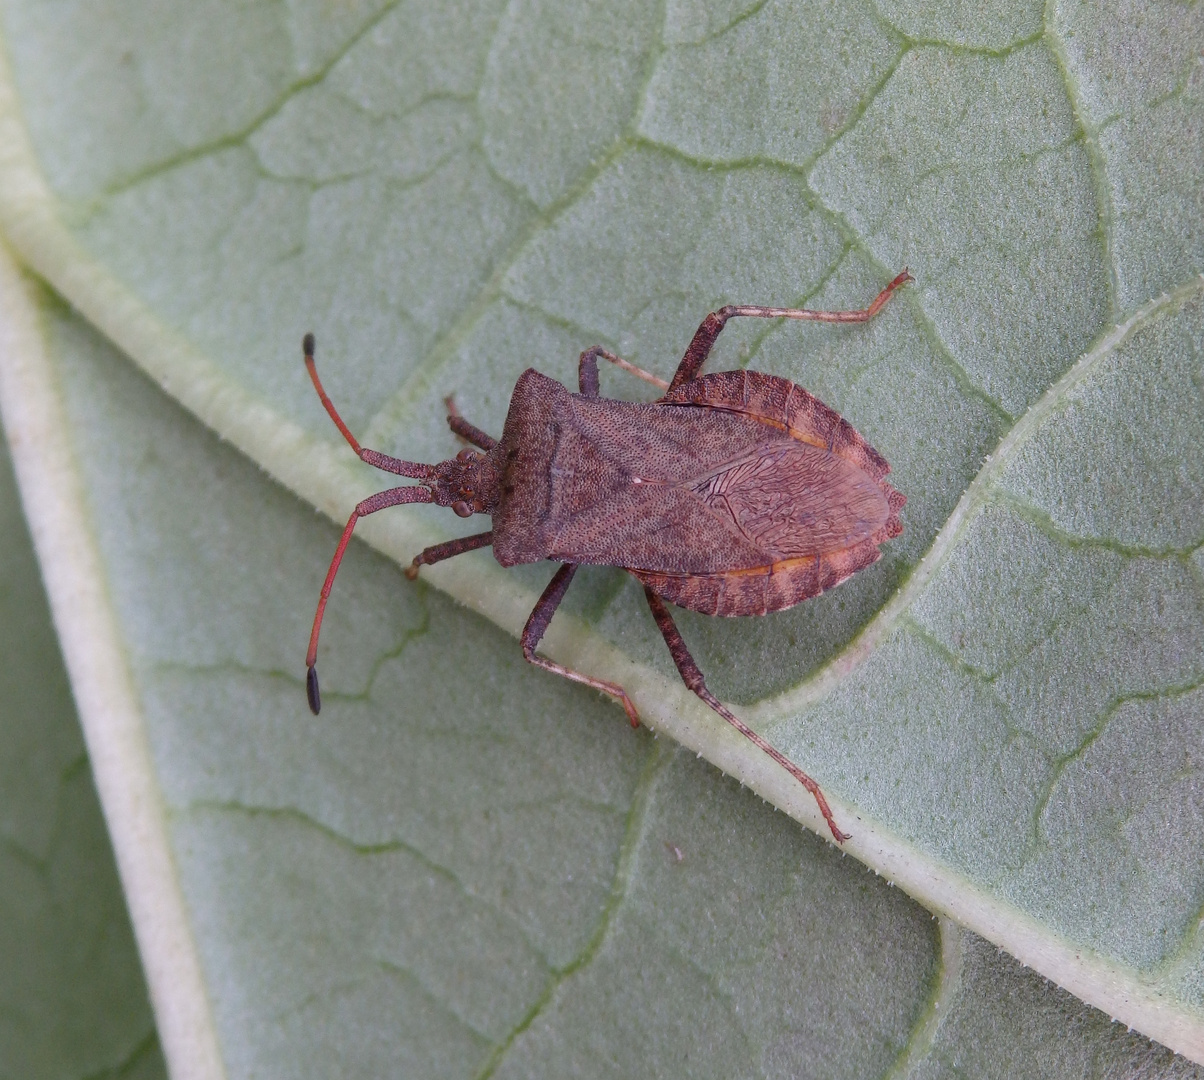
466 867
500 878
72 998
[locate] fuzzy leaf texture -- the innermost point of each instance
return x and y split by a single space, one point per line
466 867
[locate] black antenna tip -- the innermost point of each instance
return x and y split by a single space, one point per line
307 347
311 690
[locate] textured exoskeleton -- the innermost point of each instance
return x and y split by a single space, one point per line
737 493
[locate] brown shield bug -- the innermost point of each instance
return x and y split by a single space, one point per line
736 493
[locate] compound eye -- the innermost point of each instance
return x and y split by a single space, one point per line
466 455
461 508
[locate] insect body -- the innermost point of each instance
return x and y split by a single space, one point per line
737 493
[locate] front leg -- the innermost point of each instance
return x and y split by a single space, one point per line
537 625
448 550
466 431
712 326
692 677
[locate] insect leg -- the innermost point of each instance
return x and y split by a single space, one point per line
468 432
537 625
587 370
692 677
713 324
439 552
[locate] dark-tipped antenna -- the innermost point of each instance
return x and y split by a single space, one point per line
380 501
397 466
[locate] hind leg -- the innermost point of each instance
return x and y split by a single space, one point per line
692 677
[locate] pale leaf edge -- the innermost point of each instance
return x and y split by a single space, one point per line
52 497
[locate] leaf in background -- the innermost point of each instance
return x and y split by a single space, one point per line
72 998
449 195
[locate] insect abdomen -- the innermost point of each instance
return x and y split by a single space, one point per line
763 589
